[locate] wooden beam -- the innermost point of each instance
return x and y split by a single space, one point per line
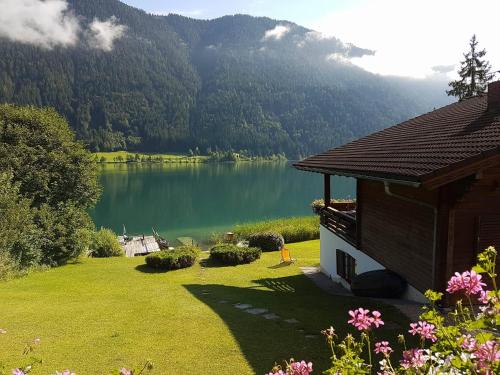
327 192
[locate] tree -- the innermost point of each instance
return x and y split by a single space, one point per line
40 150
55 179
474 73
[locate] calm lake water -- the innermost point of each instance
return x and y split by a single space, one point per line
196 200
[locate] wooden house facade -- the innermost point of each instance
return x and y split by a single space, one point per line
428 196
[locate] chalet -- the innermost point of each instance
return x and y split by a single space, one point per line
427 199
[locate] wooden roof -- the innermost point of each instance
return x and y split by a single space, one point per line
432 149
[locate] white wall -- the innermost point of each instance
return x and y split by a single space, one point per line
328 262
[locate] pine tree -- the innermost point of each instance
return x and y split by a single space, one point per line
474 74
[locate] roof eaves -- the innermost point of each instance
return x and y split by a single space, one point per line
387 177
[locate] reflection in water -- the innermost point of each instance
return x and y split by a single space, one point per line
198 199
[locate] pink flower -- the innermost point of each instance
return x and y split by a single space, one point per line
363 321
376 319
468 281
18 371
424 329
300 368
383 347
279 372
124 371
413 358
65 372
487 353
469 343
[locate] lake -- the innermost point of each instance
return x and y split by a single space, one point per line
196 200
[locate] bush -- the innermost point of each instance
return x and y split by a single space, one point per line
105 244
267 241
233 255
181 257
293 229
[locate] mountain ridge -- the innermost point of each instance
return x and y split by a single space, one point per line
233 83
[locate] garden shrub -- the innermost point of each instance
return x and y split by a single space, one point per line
181 257
105 244
267 241
293 229
232 255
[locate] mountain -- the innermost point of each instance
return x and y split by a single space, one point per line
171 83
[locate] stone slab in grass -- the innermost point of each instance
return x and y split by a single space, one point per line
256 311
243 306
271 316
291 321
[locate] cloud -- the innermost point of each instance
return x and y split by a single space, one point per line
43 23
50 23
102 34
443 69
277 33
413 37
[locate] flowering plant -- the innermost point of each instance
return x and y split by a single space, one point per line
467 341
29 351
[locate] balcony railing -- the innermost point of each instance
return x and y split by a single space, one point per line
341 223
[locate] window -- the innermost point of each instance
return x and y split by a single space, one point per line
346 266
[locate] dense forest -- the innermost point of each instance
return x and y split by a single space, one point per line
172 83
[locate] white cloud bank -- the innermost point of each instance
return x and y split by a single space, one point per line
49 24
277 33
413 37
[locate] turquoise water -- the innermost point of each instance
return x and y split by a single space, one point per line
196 200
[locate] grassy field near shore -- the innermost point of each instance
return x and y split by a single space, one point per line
97 315
125 156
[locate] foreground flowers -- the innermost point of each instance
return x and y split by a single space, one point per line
469 345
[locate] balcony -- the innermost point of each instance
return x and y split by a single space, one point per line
340 219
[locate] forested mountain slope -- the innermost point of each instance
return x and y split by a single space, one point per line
238 82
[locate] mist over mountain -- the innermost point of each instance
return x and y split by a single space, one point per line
126 79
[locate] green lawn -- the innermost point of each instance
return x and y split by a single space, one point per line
100 314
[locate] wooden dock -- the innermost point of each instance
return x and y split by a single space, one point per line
141 245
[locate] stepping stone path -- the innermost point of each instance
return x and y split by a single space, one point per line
291 321
243 306
256 311
222 301
271 316
311 336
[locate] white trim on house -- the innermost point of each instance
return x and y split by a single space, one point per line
329 243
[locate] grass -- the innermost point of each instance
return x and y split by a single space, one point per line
292 229
99 314
121 157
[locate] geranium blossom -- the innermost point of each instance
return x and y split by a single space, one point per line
18 371
383 347
469 282
301 368
377 321
424 329
124 371
362 320
413 358
65 372
469 343
487 353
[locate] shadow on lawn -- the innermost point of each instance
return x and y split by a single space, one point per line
264 342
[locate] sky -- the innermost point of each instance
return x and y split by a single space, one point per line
413 38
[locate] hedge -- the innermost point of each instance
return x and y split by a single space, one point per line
293 229
232 255
181 257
